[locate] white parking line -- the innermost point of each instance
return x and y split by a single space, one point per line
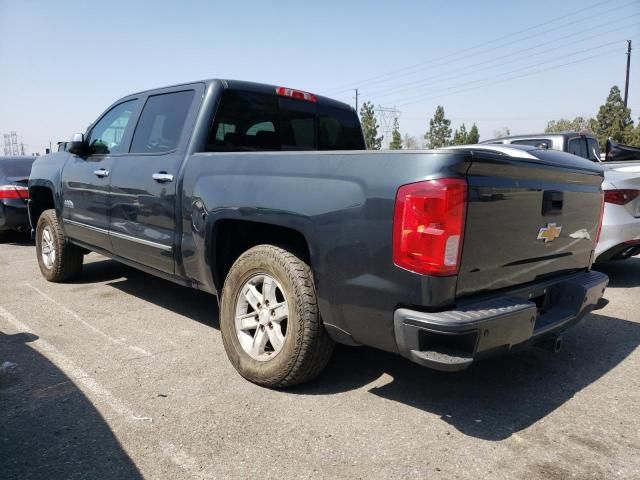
117 341
101 394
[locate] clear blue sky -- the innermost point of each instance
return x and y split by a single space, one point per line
64 62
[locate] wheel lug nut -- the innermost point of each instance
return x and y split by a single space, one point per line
273 313
270 325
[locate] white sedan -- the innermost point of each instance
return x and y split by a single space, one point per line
620 237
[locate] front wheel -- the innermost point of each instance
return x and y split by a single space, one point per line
58 259
269 318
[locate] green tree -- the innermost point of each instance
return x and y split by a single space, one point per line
633 136
439 133
396 138
578 124
614 119
474 135
460 136
370 127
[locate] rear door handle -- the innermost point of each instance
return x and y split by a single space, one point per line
162 177
101 173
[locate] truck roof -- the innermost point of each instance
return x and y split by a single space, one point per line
263 88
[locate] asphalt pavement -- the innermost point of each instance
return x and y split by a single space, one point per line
120 375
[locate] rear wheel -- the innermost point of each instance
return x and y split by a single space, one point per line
271 327
58 259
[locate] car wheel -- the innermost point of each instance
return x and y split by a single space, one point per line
58 259
269 318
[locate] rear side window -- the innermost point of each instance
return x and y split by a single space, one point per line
248 121
578 146
161 122
535 142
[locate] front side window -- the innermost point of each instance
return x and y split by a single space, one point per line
107 134
578 146
161 122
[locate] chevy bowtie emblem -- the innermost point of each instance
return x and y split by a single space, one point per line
549 233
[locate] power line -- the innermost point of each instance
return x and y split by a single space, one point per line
421 82
430 63
528 67
422 98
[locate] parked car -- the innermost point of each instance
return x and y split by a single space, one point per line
443 256
620 238
14 192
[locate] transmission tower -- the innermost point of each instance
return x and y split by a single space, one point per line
14 144
386 117
7 144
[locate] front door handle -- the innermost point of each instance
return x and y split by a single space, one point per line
162 177
101 173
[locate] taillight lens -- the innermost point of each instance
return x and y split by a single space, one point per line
13 191
620 197
428 226
601 217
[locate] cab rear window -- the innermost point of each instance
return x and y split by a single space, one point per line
248 121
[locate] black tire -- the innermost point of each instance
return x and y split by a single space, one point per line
307 347
68 257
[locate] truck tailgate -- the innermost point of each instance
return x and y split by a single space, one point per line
528 218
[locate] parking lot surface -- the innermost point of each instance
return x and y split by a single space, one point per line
122 375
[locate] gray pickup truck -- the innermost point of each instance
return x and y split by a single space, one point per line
264 196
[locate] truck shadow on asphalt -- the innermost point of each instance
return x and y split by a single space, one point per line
49 428
194 304
492 400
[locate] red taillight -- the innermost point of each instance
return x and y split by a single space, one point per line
428 226
604 197
14 191
620 197
297 94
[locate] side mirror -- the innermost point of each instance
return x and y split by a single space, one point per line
78 145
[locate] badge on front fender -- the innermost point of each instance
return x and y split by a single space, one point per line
549 233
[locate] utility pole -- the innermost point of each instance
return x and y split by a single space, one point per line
626 84
356 100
